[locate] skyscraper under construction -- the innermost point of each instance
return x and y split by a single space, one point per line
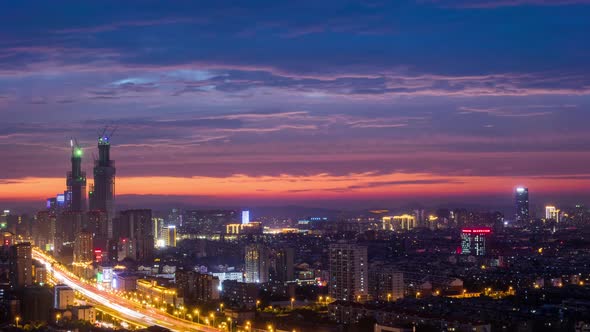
102 195
76 181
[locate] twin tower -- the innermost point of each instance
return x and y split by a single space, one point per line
101 195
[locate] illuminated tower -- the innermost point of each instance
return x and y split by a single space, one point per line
522 204
103 191
76 180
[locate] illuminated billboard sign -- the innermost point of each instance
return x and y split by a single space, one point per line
107 274
478 230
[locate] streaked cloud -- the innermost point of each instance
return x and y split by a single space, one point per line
299 99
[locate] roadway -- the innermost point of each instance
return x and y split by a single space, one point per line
118 306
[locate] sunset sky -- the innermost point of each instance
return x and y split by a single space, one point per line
273 102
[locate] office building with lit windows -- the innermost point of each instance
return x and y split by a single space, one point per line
522 204
257 265
171 236
552 213
403 222
137 226
21 265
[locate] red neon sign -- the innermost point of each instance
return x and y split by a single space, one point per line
477 230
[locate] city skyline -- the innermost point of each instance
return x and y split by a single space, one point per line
281 107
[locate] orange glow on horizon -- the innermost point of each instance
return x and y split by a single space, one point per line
362 185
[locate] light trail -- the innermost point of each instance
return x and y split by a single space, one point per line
125 308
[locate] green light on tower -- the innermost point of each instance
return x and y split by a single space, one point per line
78 152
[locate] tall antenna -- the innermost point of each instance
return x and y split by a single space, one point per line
113 131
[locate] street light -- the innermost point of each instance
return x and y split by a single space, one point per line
388 297
230 321
197 312
270 328
57 317
16 319
292 300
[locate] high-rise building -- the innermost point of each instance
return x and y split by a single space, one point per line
522 204
551 212
39 273
76 181
386 284
4 219
158 225
257 264
245 217
240 293
21 263
68 224
63 297
283 263
35 304
97 224
44 233
102 195
83 255
83 249
197 287
404 222
171 236
475 240
136 225
176 217
420 215
348 272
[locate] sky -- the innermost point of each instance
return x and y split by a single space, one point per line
300 102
